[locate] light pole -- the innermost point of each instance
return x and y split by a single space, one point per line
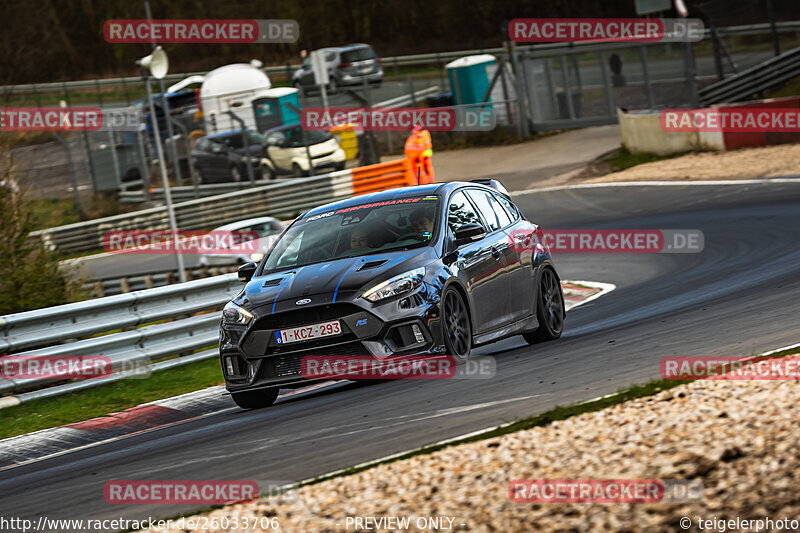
156 65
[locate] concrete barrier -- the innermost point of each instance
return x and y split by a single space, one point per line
641 131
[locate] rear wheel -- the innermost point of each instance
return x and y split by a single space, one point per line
297 171
457 327
549 309
255 399
267 172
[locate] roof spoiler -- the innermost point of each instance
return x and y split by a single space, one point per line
494 184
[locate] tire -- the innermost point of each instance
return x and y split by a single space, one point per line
297 172
267 172
299 86
549 309
236 174
339 166
255 399
457 329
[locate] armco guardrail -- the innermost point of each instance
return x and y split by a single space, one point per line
100 288
70 330
282 200
762 77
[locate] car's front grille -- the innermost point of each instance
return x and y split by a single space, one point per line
326 154
303 317
290 365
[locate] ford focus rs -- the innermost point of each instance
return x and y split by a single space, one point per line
432 269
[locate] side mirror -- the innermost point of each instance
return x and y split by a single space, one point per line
469 233
246 271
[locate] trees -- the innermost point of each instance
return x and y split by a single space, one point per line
30 277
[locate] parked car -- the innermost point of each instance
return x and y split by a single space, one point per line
416 270
221 156
267 228
285 151
347 65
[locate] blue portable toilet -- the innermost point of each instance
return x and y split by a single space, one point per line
276 107
469 78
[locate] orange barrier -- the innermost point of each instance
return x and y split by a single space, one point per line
372 178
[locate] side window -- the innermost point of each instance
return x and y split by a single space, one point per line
202 145
500 211
460 212
483 201
275 139
512 210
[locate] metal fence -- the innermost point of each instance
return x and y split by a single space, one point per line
652 73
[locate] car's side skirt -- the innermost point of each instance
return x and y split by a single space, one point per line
518 327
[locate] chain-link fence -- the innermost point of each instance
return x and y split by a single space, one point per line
543 87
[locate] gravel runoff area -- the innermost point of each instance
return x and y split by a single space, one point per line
737 437
745 163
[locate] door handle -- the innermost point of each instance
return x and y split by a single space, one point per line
495 253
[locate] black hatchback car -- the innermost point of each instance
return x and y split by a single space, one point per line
431 269
222 156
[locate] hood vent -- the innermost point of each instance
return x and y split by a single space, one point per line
372 264
272 282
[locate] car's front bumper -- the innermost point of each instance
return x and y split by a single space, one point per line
368 330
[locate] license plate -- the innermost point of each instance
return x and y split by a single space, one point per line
306 333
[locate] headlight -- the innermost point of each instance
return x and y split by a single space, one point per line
256 256
234 314
405 282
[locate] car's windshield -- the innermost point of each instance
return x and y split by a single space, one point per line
358 54
353 231
294 137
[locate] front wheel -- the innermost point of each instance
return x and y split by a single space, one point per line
255 399
456 323
549 309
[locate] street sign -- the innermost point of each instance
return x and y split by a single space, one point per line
319 68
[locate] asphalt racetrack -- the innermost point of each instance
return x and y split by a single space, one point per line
740 295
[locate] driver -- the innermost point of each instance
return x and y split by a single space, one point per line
421 222
359 239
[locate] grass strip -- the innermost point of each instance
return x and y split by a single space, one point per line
98 401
